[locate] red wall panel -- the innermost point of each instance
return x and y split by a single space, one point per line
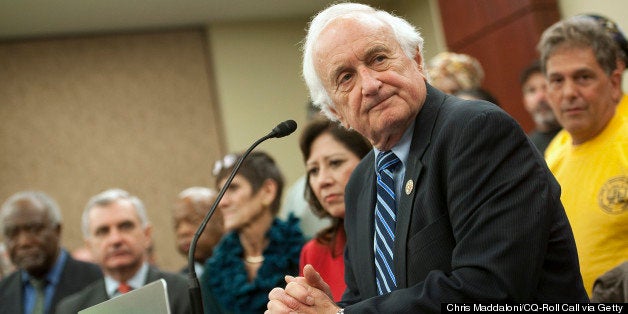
502 35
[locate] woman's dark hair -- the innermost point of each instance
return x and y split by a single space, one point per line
256 168
351 140
532 68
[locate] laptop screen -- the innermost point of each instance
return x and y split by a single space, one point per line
151 299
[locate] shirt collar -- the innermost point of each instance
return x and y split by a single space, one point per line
135 282
199 268
402 148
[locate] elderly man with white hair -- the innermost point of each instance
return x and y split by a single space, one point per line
190 208
454 204
31 225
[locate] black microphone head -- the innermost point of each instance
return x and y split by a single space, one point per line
284 129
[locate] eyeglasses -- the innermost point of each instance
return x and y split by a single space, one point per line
226 162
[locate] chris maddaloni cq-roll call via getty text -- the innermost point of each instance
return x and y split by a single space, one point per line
534 307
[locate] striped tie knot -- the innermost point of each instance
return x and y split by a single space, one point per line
387 161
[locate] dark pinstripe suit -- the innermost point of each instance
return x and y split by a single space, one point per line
483 222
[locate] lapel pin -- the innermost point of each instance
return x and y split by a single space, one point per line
409 187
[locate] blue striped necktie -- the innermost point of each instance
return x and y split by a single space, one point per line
385 221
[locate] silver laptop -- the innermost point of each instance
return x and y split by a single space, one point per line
150 299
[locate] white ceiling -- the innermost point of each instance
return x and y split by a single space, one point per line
40 18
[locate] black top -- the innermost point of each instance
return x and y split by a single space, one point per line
542 139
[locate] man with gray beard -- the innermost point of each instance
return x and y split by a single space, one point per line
534 87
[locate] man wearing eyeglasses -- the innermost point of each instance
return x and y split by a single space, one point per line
30 222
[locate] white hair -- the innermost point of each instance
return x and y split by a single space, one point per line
408 37
110 196
201 198
197 193
39 199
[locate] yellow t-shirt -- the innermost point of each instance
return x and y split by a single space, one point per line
622 107
594 181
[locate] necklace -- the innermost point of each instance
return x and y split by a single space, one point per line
254 259
229 282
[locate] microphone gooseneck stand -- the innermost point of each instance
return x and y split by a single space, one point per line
196 300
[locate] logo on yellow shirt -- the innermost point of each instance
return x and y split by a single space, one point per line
613 196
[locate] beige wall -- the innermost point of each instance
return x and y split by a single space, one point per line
81 115
257 71
426 16
613 9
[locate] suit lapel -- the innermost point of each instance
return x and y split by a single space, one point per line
100 294
152 275
95 295
423 126
65 280
13 294
366 209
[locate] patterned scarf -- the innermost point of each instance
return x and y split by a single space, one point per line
226 277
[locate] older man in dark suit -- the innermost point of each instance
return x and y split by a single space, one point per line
118 233
453 205
31 224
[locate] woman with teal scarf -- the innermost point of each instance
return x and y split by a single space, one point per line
258 249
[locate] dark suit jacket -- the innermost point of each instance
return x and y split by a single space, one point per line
97 293
74 277
482 222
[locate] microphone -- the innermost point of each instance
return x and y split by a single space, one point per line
283 129
196 300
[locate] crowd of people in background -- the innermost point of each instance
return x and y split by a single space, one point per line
419 189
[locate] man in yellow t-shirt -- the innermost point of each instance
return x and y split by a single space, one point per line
589 157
